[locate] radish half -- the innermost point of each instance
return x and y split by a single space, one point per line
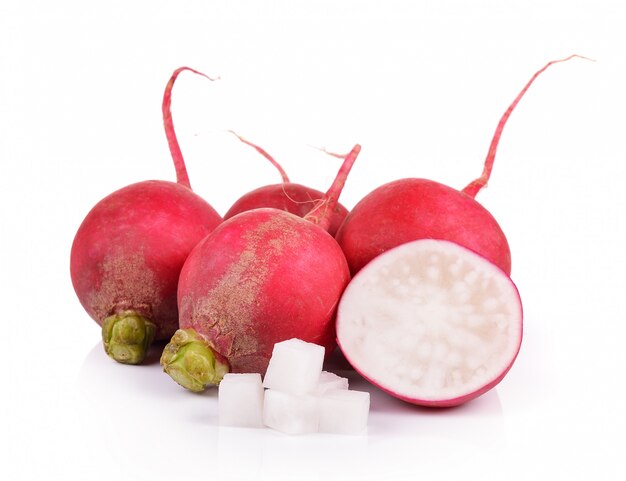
431 323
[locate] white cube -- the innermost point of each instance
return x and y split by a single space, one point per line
240 400
343 411
290 413
295 367
329 381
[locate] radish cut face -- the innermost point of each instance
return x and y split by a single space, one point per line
431 322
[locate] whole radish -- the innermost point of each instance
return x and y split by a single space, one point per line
261 277
128 253
288 196
411 209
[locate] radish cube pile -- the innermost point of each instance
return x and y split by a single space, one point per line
299 397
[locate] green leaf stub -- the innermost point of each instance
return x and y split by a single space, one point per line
190 361
127 336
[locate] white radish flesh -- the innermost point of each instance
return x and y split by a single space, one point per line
431 322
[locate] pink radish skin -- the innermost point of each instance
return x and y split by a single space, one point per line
431 323
288 196
411 209
261 277
128 253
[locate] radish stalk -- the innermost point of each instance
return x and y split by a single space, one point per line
320 213
179 163
476 185
264 153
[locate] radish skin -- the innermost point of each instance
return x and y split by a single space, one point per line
411 209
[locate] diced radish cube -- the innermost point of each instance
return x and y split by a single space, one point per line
295 367
330 381
290 413
240 400
343 412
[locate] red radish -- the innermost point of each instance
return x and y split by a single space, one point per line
128 253
431 322
410 209
263 276
288 196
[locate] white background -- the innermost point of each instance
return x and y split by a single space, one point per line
421 85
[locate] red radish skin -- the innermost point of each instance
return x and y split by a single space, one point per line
288 196
431 323
128 252
411 209
261 277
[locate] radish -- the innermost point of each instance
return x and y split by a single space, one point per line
263 276
410 209
288 196
129 250
431 323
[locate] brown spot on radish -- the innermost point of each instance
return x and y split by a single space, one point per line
118 272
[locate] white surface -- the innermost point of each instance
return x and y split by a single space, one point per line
421 86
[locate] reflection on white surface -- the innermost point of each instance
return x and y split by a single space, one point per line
138 412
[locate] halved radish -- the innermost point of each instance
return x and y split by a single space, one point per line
431 323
